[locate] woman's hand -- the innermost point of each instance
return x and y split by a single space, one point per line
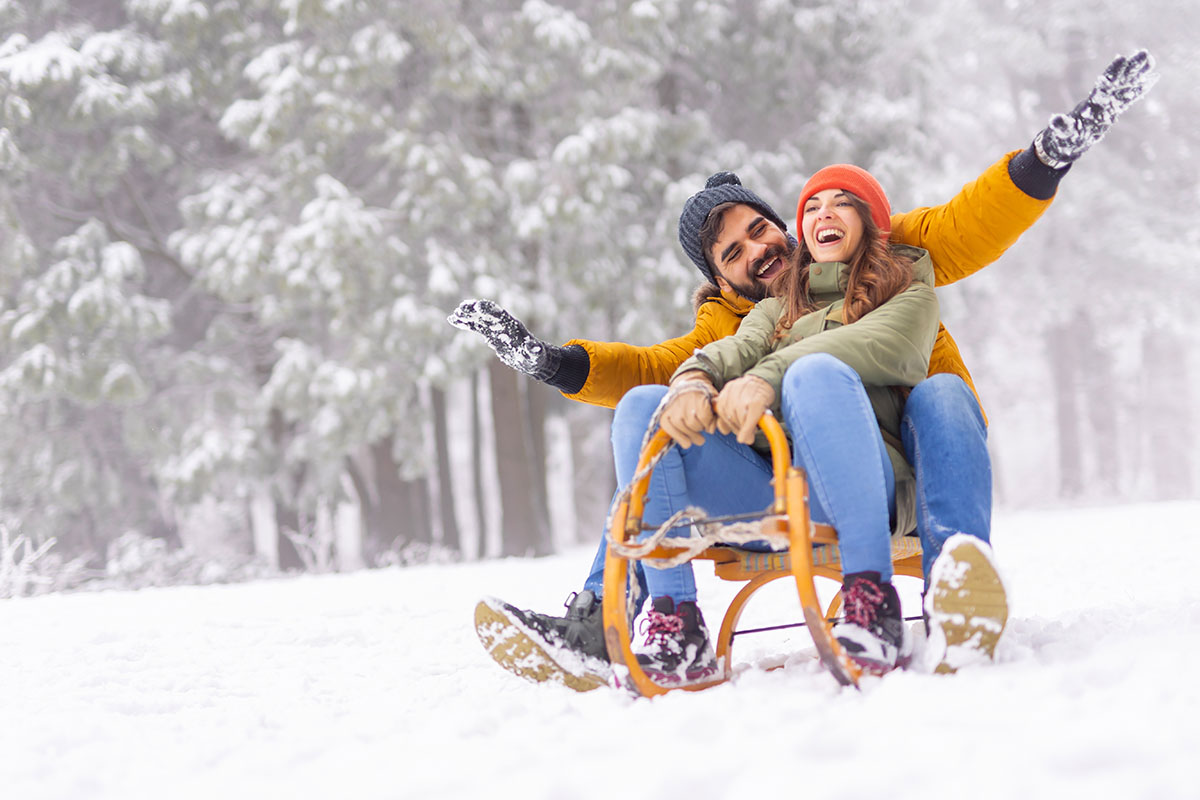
687 412
741 404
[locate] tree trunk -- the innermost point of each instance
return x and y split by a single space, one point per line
1099 390
537 397
451 539
420 527
1061 352
287 518
595 474
1166 409
477 435
524 525
391 518
265 527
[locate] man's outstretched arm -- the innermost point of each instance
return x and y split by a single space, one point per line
991 212
520 349
599 373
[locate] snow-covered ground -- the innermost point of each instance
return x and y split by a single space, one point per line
373 685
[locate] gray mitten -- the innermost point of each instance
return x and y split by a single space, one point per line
1068 136
509 337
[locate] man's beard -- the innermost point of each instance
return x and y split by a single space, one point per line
756 290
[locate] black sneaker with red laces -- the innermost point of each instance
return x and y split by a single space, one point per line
677 648
872 631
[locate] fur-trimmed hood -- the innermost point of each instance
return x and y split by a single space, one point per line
711 293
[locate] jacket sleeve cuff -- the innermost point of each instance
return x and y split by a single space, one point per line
699 362
1033 177
573 369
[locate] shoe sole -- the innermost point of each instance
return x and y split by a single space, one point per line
852 644
512 647
674 679
966 605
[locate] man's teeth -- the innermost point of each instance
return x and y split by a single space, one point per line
766 267
828 235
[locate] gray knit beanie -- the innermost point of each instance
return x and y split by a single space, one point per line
723 187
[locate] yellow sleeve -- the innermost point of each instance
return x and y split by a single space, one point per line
616 367
974 229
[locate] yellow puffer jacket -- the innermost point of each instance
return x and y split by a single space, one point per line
963 236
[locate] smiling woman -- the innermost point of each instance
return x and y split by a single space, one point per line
844 216
831 225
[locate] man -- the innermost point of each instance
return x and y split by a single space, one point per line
738 242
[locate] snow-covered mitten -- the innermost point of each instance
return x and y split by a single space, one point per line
509 337
1068 136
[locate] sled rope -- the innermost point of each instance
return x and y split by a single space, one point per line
704 534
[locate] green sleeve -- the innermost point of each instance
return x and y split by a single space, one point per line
890 346
732 356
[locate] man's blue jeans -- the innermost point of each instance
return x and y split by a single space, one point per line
945 439
835 438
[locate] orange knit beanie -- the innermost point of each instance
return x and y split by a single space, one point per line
855 180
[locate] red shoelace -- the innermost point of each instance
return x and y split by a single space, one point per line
660 625
862 600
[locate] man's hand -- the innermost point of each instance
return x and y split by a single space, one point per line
741 404
687 412
1068 136
509 337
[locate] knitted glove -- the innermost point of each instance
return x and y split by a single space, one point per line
741 404
509 337
687 412
1068 136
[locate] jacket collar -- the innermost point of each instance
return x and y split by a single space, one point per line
733 302
736 303
827 281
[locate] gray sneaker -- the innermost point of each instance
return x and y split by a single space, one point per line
539 647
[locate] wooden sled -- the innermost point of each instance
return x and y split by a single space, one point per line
812 552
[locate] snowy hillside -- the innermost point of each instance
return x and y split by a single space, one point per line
372 685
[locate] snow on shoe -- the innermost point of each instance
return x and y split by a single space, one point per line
872 631
677 649
541 648
965 605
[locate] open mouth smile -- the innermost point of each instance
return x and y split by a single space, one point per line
769 269
828 236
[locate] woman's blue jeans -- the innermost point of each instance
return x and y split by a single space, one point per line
835 438
945 439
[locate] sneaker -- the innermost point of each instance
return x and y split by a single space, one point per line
677 649
872 630
966 607
539 647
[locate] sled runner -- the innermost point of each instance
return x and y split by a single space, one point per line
811 552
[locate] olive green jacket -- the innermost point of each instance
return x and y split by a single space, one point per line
888 348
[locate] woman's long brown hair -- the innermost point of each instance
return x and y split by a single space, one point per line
877 274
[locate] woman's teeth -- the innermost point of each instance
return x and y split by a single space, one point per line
829 235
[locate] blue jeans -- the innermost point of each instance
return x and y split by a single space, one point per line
835 439
945 439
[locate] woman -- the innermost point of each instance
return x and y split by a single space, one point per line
851 320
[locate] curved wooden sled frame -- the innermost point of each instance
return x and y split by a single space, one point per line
790 509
